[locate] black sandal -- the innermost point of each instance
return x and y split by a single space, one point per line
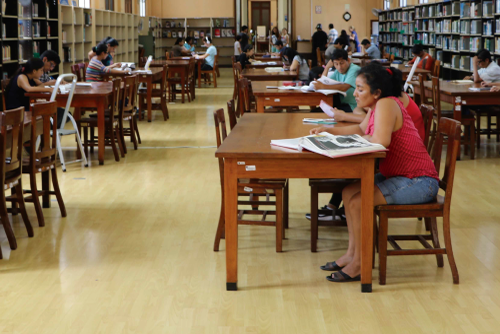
342 277
331 266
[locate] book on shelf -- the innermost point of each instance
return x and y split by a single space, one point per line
67 54
49 45
487 8
21 53
87 18
48 29
36 29
34 9
330 145
47 10
4 4
223 33
36 47
488 27
476 27
217 32
180 34
201 34
174 34
6 52
4 32
64 35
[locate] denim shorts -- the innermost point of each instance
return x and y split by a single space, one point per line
402 190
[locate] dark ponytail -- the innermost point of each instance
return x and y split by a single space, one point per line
107 40
34 64
100 48
387 80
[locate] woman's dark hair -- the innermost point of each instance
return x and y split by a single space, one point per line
340 54
178 40
279 42
51 56
238 37
208 39
34 64
275 33
290 54
343 33
483 55
389 81
100 48
417 49
247 48
341 41
112 42
188 39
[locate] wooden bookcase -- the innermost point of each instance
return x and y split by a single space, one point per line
451 31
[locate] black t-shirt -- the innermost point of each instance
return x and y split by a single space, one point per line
15 95
244 60
244 40
319 40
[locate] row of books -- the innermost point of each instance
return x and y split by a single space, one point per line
67 54
472 44
470 9
87 18
6 55
471 27
223 33
36 29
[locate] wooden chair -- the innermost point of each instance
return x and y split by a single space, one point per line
156 93
430 211
216 66
212 72
469 139
129 111
320 56
489 112
167 55
436 69
423 98
236 76
5 83
427 116
12 125
252 187
143 61
44 158
391 58
80 70
231 111
244 96
111 123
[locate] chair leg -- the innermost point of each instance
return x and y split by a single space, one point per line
59 150
137 130
57 192
85 140
285 204
478 132
314 219
22 208
118 138
113 142
215 80
497 129
488 125
435 239
13 209
472 132
79 140
449 249
132 132
382 248
427 224
36 200
4 216
92 139
466 139
279 220
220 227
141 107
164 106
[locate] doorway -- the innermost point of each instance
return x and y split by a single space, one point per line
261 14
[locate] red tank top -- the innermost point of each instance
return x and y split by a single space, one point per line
416 117
407 155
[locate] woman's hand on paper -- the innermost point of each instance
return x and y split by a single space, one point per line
318 130
495 89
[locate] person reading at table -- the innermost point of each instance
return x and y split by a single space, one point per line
209 56
407 173
22 82
279 49
296 64
484 68
237 48
426 61
112 44
50 60
339 43
245 56
189 45
178 49
96 68
371 50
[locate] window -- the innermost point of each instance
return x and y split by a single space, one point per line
109 5
387 4
402 3
142 8
84 3
423 1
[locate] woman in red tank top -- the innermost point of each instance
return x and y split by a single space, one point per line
407 174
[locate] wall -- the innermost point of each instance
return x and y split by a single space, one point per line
191 8
274 12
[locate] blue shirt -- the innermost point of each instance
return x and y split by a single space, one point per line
349 78
212 52
373 52
188 47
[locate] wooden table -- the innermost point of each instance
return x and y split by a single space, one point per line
267 58
284 98
247 153
406 70
363 61
458 94
265 64
86 97
260 74
155 74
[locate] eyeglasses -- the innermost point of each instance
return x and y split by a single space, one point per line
52 65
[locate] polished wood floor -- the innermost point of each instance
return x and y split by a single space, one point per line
135 253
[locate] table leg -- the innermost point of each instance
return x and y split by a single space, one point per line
199 74
182 85
260 104
77 116
457 115
149 82
367 188
46 187
100 129
230 207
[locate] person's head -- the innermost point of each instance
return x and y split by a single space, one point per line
50 59
282 52
33 68
341 60
289 54
238 37
207 41
418 50
343 33
374 82
366 43
318 27
275 31
279 44
248 50
339 43
483 58
330 26
189 40
179 41
101 51
284 32
111 43
244 29
351 28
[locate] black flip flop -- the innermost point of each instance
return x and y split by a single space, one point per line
342 277
331 266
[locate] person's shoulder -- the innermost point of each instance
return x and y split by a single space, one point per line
387 104
354 67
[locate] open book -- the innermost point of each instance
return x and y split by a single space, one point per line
127 65
327 81
479 89
311 88
331 146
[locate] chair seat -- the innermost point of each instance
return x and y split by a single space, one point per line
92 121
262 183
414 210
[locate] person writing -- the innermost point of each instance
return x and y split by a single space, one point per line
279 49
296 64
401 180
96 67
484 69
189 45
371 50
178 49
245 56
209 56
112 44
426 61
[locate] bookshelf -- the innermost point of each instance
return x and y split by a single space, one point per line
451 31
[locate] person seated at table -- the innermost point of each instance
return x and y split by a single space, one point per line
112 44
237 48
189 45
209 56
279 48
23 81
178 49
248 52
484 68
371 50
339 43
426 61
401 180
51 60
296 64
96 68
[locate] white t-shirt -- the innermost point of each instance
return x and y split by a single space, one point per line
303 69
237 48
212 52
490 73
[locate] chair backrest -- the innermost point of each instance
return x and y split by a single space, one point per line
68 78
243 95
391 58
115 99
142 61
450 129
46 112
232 113
216 61
427 116
318 57
129 98
309 63
236 72
11 122
436 97
80 71
437 68
5 83
167 55
422 88
220 135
